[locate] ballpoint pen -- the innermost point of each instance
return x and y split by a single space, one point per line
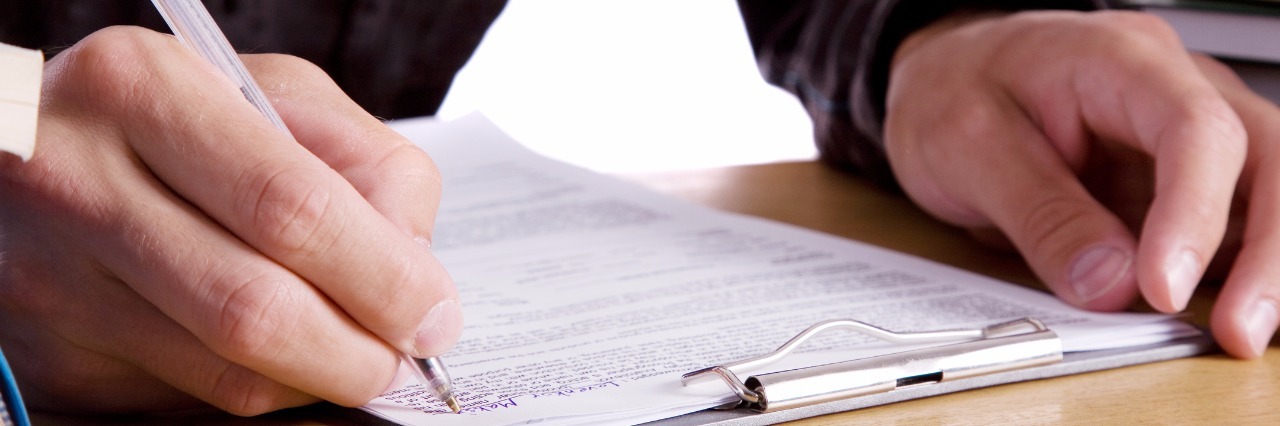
12 413
194 27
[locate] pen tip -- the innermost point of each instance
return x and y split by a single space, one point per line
453 405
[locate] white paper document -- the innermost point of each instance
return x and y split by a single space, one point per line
586 297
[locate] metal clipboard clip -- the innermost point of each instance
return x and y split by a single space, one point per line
1002 347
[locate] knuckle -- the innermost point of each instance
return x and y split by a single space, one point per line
75 373
1217 118
37 289
242 392
928 161
1145 23
413 167
290 212
73 378
394 296
1119 34
402 276
1209 128
1052 227
395 302
980 121
22 288
256 313
1206 212
1121 29
115 63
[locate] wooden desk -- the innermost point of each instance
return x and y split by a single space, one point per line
1211 389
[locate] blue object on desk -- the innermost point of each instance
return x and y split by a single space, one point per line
11 409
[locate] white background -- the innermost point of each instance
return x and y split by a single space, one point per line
630 86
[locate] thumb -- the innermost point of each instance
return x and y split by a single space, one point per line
1083 252
1007 175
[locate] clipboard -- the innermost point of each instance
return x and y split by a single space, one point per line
1010 352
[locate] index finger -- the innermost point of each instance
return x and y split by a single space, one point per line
389 171
1162 104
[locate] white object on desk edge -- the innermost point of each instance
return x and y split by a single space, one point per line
20 74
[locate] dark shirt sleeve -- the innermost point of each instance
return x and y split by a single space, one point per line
835 55
396 58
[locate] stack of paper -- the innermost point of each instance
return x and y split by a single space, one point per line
586 298
1232 29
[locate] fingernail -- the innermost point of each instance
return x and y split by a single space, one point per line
1098 270
403 373
1183 273
1262 322
439 329
423 241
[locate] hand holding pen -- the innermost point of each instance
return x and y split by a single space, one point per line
193 25
167 248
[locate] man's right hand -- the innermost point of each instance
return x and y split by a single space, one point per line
166 247
1116 162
